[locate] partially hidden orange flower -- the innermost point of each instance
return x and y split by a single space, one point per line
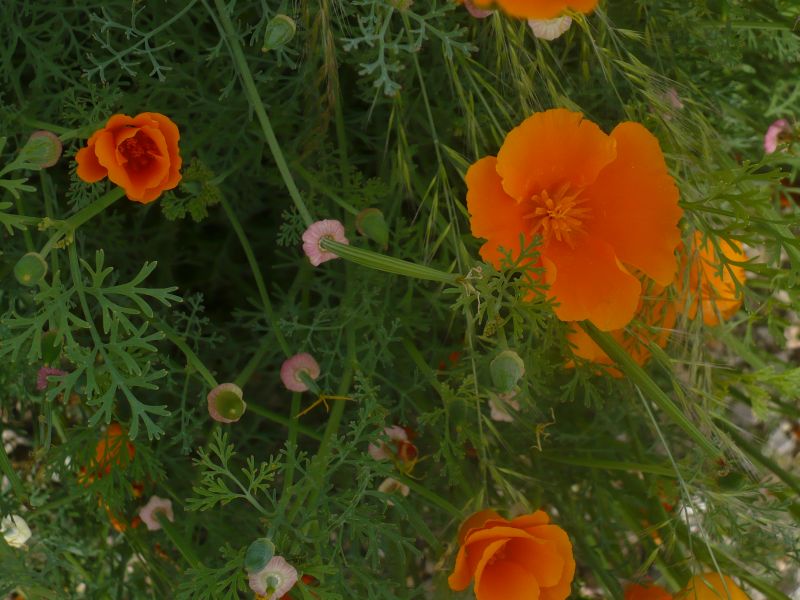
646 592
711 586
521 559
539 9
653 322
714 286
603 205
140 154
108 452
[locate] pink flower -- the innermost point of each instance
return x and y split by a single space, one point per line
225 403
154 507
549 29
275 579
315 233
397 435
774 134
478 13
41 377
292 369
391 486
499 407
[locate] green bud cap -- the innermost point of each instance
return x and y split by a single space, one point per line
279 32
230 405
258 555
371 223
30 269
51 347
507 369
42 149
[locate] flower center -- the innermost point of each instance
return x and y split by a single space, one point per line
557 215
139 151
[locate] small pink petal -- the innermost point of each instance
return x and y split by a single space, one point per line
498 407
150 511
276 578
312 237
213 411
391 486
395 433
478 13
774 133
550 29
294 366
45 372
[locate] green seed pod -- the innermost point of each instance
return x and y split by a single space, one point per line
226 403
259 554
51 347
279 32
507 369
42 149
30 269
371 223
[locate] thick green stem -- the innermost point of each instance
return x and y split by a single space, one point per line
232 38
649 388
387 264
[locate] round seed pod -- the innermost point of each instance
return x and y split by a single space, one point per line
226 403
371 223
42 149
30 269
507 369
279 32
258 555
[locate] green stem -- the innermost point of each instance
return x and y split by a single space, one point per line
178 540
649 388
285 421
232 39
80 217
191 357
387 264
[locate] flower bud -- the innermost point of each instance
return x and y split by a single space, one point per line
42 149
279 32
507 369
371 223
30 269
259 554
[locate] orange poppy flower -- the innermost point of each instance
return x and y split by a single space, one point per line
710 586
526 557
712 285
653 322
107 453
602 204
646 592
140 154
539 9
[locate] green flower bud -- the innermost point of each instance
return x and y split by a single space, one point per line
42 149
371 223
279 32
258 555
30 269
507 369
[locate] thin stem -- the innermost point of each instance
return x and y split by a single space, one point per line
232 39
191 357
180 543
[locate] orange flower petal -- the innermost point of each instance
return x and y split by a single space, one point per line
106 150
650 592
494 215
89 168
559 537
505 580
550 149
634 204
544 9
157 174
539 558
588 282
461 576
526 521
710 586
172 136
476 521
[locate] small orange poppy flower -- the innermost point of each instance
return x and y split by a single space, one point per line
602 204
526 557
646 592
539 9
140 154
653 322
712 286
107 453
711 586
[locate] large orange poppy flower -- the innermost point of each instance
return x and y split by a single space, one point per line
712 284
539 9
602 205
526 558
653 322
712 586
140 154
646 592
